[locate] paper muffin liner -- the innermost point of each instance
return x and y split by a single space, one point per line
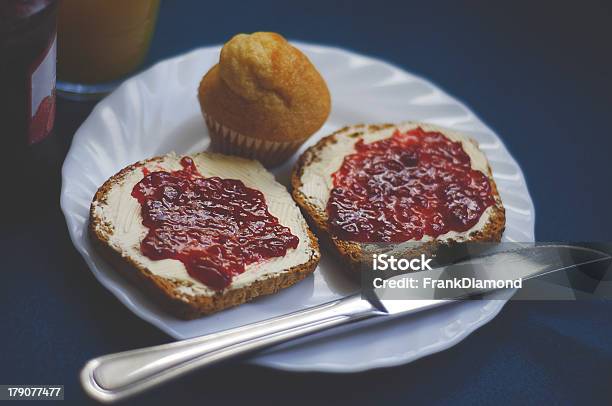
230 142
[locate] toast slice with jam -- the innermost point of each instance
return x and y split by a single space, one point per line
202 232
412 188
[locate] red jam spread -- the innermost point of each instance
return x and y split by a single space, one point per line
404 187
214 226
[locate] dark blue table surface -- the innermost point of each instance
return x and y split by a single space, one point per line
540 74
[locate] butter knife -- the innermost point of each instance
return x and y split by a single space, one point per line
114 377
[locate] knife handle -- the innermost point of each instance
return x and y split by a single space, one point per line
115 376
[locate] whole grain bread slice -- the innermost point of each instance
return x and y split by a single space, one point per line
176 292
306 191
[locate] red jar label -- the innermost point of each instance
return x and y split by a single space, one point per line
42 95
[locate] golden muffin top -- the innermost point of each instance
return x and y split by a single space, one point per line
265 88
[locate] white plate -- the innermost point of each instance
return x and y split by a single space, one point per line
157 111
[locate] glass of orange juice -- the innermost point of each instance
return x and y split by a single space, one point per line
100 42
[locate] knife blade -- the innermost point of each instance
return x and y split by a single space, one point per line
114 377
519 264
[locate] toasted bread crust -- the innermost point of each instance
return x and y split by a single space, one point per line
351 252
164 291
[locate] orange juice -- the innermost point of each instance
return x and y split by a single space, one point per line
103 40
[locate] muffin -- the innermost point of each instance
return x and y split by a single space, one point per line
263 99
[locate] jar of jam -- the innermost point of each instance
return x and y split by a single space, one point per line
27 96
27 69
